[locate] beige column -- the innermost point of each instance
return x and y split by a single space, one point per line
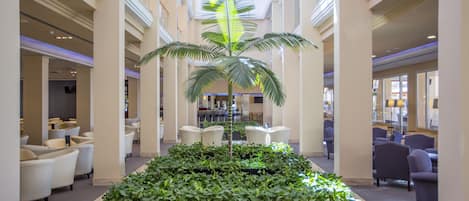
84 99
150 89
311 86
277 58
36 98
352 84
183 103
453 63
170 86
132 97
10 88
108 92
291 82
193 107
411 101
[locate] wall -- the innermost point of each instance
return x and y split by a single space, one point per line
62 104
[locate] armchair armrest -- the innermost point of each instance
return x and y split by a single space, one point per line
429 177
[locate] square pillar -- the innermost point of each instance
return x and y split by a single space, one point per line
84 99
453 64
36 98
311 86
150 89
10 107
353 98
108 92
291 82
132 97
277 58
183 102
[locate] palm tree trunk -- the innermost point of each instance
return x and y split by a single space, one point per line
230 118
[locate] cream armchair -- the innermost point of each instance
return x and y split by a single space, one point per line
58 143
64 163
73 131
85 159
190 135
35 179
212 136
81 139
57 133
88 134
279 134
24 139
129 139
257 135
38 150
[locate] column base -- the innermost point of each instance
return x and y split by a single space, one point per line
149 154
106 181
170 141
312 154
293 141
358 181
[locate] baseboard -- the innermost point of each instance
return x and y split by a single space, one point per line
105 181
358 181
149 154
312 154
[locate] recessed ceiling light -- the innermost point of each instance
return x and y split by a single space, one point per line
373 56
51 32
431 37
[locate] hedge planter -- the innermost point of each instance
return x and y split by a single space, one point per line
206 173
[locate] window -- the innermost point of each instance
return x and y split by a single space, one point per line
393 102
427 100
328 102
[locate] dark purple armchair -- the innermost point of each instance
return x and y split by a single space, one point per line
419 141
390 162
329 139
425 180
379 136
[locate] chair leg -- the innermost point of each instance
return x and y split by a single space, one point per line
408 186
328 157
377 182
46 199
71 187
88 175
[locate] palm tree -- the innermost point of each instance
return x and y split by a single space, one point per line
228 36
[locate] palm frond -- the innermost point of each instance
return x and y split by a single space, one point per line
214 38
270 85
200 79
239 70
276 40
184 50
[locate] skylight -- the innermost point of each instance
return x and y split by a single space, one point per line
260 12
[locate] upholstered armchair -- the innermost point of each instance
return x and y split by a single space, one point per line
57 133
420 141
38 150
24 139
63 171
212 136
257 135
279 134
73 131
190 135
35 179
58 143
396 137
379 135
329 139
129 141
390 161
85 159
425 181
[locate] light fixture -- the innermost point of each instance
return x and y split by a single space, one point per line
431 37
373 56
64 37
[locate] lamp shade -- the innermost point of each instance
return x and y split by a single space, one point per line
400 103
435 103
390 103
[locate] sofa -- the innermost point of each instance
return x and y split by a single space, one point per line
84 164
279 134
212 136
420 141
257 135
35 177
390 162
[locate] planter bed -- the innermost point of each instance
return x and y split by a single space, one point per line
207 173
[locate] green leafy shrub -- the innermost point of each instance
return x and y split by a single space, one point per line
207 173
